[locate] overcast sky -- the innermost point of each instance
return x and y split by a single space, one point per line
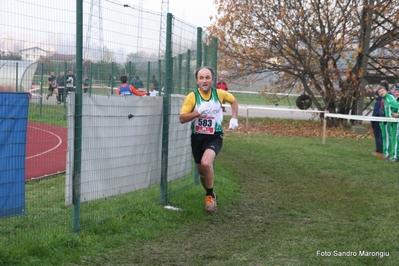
196 12
50 25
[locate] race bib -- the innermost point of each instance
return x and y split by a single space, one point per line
205 125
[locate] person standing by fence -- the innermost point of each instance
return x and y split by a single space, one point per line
61 87
153 92
137 83
376 126
128 90
202 108
155 82
390 129
71 81
221 85
52 83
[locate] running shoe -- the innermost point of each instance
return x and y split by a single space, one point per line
379 154
210 204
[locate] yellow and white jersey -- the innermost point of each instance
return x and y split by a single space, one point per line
209 122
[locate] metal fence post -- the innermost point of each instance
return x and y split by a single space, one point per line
77 163
214 62
199 47
16 76
166 110
188 76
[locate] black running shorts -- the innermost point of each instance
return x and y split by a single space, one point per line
201 142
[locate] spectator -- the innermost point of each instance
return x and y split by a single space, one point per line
221 85
377 126
61 87
396 93
389 129
70 81
128 90
155 82
86 84
111 80
52 83
137 83
153 92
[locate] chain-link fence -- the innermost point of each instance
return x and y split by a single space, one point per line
87 154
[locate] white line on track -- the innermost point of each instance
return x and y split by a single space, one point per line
59 142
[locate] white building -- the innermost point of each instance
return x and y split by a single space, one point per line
33 53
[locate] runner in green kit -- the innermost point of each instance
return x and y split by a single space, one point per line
390 129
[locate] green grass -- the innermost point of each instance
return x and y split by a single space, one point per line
55 115
281 200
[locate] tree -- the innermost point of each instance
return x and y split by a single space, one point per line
324 45
10 56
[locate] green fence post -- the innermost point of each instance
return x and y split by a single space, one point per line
206 55
16 76
148 75
199 47
160 81
180 73
188 76
77 163
199 63
214 62
64 92
41 91
130 71
91 77
112 78
166 110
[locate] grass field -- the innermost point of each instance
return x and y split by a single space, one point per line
283 200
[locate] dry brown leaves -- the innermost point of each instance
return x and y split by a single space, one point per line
299 128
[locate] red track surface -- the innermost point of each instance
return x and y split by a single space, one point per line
45 150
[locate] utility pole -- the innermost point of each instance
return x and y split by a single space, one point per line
94 48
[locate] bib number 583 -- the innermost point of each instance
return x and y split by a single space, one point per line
204 122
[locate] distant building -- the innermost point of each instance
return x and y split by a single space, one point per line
33 53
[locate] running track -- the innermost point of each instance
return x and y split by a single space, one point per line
45 150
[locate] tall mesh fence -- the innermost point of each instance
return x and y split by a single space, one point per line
131 150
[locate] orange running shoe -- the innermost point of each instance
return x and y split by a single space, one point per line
210 204
379 154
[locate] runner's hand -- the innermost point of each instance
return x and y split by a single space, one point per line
233 124
204 107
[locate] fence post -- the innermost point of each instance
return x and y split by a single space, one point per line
112 78
64 92
214 62
41 91
199 47
16 76
166 110
188 76
180 73
77 149
160 81
148 75
206 55
91 76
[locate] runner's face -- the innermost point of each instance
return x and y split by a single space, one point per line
382 92
204 80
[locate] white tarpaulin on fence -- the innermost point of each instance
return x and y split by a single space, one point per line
122 154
